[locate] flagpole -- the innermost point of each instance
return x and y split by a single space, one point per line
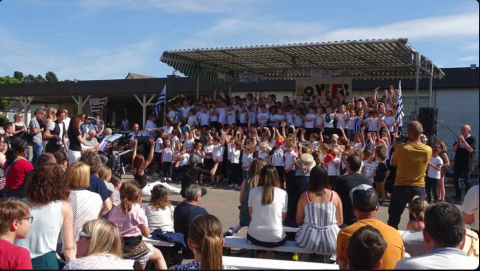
165 105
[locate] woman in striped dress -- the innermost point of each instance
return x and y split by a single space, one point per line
319 213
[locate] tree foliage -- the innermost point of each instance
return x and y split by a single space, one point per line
40 79
18 75
7 80
51 77
29 79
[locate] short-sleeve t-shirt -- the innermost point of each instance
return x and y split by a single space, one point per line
98 186
129 224
73 133
16 173
381 172
470 205
37 138
14 257
463 158
432 173
412 161
395 249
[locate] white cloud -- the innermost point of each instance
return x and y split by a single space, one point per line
470 46
86 64
468 58
194 6
262 30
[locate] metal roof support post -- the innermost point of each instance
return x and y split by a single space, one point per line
417 82
144 105
25 102
80 103
84 102
230 90
198 87
430 88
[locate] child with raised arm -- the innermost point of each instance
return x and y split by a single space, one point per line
369 167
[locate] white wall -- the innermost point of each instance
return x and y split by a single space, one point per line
457 107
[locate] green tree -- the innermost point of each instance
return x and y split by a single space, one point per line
7 80
40 79
51 77
29 79
18 75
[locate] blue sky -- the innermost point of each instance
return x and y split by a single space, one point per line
106 39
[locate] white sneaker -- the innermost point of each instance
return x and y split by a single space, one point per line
155 175
232 185
237 186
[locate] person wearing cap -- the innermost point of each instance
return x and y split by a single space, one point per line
411 160
192 170
36 131
365 204
443 234
304 166
278 160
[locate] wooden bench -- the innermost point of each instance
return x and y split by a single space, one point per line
252 263
290 229
157 243
243 243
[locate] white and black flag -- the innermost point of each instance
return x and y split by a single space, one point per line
97 104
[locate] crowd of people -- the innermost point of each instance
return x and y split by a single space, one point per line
323 164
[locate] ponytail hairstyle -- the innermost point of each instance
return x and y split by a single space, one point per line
417 206
129 194
254 172
206 236
269 180
17 149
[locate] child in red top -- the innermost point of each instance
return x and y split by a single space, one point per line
14 222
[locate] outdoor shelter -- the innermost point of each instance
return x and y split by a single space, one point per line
362 59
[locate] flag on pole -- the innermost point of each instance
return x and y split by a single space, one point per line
97 104
162 99
399 114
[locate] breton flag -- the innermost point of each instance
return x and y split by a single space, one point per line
399 114
97 104
162 99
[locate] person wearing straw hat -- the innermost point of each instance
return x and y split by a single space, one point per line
303 167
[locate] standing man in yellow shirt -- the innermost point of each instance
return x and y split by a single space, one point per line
411 160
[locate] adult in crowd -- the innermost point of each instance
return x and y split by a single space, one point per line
186 212
470 208
346 184
159 210
16 168
99 247
76 140
125 124
365 206
8 136
99 125
248 184
192 171
206 241
47 193
61 159
150 126
18 125
91 140
45 159
267 205
443 233
67 119
139 163
43 117
97 185
304 165
15 221
3 150
56 134
411 160
86 205
464 149
36 132
319 213
370 241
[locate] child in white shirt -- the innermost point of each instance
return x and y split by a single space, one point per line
434 174
333 162
369 166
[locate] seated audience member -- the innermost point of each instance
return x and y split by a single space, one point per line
346 184
3 150
97 185
91 140
365 249
16 169
206 241
187 211
159 211
15 220
417 207
443 234
365 206
470 208
106 175
117 183
248 184
130 218
45 159
47 193
319 213
61 159
99 247
267 205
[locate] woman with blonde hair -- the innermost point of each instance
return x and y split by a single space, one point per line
18 126
99 247
267 205
205 238
417 207
446 163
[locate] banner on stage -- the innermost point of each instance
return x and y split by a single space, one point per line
329 86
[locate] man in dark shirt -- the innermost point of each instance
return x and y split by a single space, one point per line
346 184
464 149
191 172
187 211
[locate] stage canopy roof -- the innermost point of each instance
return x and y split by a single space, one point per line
358 59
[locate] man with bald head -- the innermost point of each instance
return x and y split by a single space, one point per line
411 160
91 140
463 148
